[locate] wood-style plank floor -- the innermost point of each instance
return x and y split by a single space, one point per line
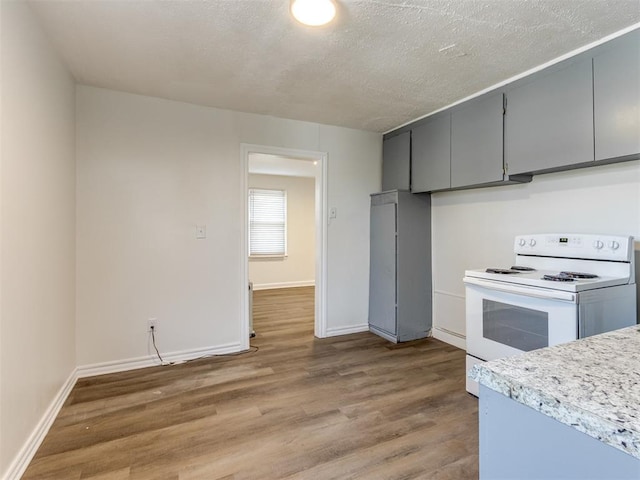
347 407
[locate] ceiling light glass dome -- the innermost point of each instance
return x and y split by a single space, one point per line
313 12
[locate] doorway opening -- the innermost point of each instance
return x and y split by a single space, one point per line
266 160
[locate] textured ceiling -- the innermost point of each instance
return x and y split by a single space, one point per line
377 67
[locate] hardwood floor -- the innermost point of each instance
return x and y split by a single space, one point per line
345 407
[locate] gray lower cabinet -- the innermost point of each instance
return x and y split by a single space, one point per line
518 442
476 142
431 155
616 92
549 120
396 162
400 267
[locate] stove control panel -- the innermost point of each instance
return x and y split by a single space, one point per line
600 247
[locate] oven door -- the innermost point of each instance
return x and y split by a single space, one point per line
504 319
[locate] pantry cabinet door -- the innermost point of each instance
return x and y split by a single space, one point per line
383 261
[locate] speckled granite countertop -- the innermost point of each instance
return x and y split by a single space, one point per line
592 385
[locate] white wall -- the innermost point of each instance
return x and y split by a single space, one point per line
298 267
355 171
37 225
476 228
149 171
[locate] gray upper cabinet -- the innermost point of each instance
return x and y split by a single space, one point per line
431 155
549 120
476 142
616 82
396 162
573 114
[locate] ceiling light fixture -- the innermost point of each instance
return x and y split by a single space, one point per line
313 12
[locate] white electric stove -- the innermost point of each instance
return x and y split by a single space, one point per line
561 287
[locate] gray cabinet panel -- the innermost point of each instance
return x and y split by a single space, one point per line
518 442
400 281
396 162
431 155
616 82
476 142
414 267
382 283
549 121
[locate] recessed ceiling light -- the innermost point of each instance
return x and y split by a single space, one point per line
313 12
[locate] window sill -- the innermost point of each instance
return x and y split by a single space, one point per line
267 257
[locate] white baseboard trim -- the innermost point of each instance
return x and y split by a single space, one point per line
25 455
270 286
152 361
452 338
335 331
449 294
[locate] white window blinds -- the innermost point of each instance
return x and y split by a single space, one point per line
267 222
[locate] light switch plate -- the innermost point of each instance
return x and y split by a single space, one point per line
201 231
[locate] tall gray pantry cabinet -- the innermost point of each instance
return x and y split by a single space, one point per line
400 267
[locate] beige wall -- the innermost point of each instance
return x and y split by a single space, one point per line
476 228
149 171
37 240
298 267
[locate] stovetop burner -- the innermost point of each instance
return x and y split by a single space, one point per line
567 263
558 278
578 275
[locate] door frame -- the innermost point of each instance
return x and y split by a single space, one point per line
321 222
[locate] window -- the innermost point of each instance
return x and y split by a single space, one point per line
267 222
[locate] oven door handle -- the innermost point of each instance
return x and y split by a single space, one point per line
526 291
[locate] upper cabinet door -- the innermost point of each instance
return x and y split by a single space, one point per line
476 142
396 162
616 81
549 121
431 155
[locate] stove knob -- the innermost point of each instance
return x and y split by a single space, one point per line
532 242
614 245
598 245
522 242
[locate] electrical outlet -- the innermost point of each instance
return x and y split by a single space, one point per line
151 323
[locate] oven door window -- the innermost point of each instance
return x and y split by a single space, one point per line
521 328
